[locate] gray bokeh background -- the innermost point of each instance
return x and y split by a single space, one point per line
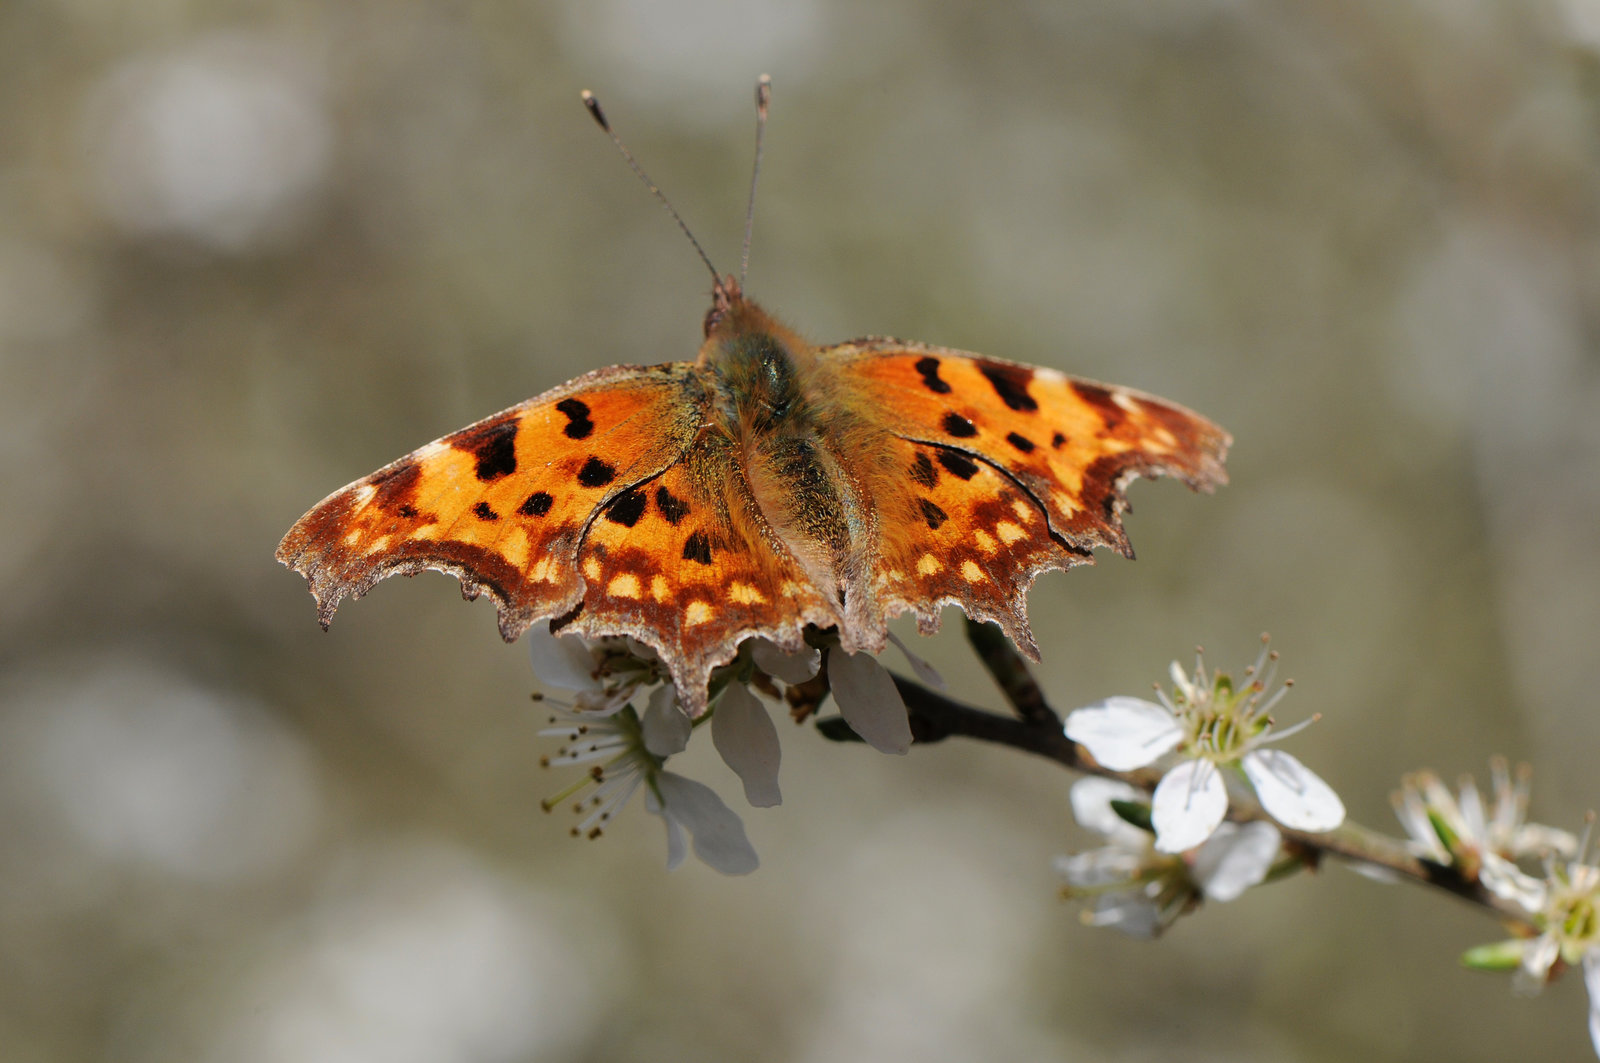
251 251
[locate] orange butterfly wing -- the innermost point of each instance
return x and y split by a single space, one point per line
502 504
1003 471
601 503
622 503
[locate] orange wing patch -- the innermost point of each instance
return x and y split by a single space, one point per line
1071 444
502 504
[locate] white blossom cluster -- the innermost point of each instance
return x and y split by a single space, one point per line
1491 842
623 720
1172 849
1131 886
1210 733
1166 851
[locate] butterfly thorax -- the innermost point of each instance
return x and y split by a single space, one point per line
767 407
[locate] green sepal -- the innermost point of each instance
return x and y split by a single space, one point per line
1282 868
1499 956
1447 837
1136 813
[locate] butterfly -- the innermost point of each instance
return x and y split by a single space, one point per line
765 487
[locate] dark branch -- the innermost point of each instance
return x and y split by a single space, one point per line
1011 674
935 717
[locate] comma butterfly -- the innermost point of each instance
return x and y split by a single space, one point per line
766 486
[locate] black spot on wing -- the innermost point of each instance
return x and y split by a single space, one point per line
407 511
536 504
923 472
697 548
494 445
483 512
933 514
596 473
578 423
627 508
958 426
957 464
1022 443
671 506
929 368
1057 440
1010 382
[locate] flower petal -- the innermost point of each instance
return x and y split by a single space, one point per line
743 733
663 725
791 668
925 671
1128 911
1109 866
1180 681
1535 839
1509 882
561 661
1091 799
1292 793
1124 733
677 849
1189 803
1235 857
868 701
1538 956
719 838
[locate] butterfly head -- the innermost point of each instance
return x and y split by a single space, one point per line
758 362
724 297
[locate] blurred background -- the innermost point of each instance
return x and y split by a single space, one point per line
252 251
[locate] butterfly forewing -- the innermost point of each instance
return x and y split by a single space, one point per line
1072 443
502 504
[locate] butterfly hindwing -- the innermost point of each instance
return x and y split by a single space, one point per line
960 531
684 564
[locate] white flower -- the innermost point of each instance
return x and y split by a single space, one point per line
1214 728
625 749
1136 889
1482 843
1565 907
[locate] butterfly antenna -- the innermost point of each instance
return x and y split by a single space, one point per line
763 98
600 117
